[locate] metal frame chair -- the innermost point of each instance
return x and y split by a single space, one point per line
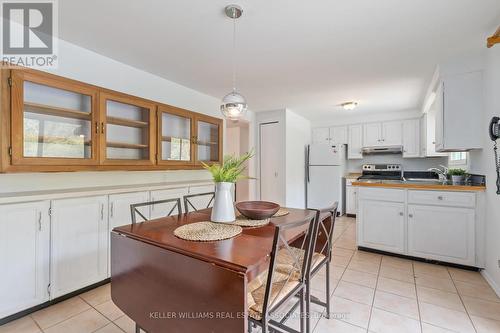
301 264
188 203
134 210
326 251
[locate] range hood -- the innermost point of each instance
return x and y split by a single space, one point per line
382 150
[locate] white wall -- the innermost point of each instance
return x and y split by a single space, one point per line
486 166
87 66
298 136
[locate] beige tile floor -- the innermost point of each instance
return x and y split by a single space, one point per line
370 293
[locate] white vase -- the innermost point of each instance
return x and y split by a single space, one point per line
223 209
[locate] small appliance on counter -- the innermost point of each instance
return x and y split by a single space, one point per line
325 169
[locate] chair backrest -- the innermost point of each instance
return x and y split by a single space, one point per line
134 209
299 269
195 202
325 230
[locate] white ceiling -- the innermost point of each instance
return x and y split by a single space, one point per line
308 56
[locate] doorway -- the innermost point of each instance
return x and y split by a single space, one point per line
238 143
270 162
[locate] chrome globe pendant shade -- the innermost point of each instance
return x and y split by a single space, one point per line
234 105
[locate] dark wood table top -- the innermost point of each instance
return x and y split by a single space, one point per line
244 253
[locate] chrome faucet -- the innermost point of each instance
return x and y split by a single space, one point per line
443 174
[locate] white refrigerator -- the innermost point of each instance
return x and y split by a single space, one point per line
325 169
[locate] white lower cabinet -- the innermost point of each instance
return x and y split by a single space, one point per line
79 241
442 233
119 208
162 210
351 200
383 225
24 256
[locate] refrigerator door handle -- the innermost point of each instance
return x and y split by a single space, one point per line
307 163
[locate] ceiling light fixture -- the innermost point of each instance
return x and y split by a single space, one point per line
349 105
234 105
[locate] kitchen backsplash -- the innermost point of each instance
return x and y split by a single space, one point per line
413 164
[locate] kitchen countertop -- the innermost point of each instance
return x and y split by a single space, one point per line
419 185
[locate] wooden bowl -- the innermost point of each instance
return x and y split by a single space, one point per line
257 210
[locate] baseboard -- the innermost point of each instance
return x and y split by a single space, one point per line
491 282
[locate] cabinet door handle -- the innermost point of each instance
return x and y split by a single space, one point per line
401 214
153 203
410 215
112 209
440 197
96 127
39 221
102 212
102 128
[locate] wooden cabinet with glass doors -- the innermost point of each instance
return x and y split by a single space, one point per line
59 124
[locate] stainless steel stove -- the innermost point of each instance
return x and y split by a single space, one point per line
382 172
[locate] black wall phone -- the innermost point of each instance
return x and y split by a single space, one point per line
495 135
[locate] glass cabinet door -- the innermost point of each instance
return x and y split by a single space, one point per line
128 127
175 127
53 122
208 139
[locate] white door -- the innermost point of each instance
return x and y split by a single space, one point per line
271 163
24 256
79 241
381 225
441 233
338 135
119 208
411 138
161 210
372 134
351 200
355 142
323 186
320 135
392 133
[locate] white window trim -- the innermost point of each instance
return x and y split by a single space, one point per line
463 163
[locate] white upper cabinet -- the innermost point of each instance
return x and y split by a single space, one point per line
411 138
79 241
24 256
320 135
389 133
392 133
355 142
372 134
428 134
459 101
338 135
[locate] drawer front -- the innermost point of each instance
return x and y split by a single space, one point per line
381 194
441 198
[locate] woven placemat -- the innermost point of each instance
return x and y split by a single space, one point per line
281 212
244 221
207 231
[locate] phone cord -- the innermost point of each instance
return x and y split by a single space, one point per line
497 165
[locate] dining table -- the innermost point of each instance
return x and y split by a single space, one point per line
168 284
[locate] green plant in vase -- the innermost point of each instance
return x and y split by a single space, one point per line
457 175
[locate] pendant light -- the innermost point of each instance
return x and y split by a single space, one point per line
233 105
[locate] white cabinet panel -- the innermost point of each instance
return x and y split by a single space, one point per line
338 135
24 256
161 210
79 241
203 201
411 138
355 142
320 135
119 208
441 233
372 134
351 200
381 225
392 133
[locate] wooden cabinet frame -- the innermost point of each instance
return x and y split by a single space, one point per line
12 133
213 121
182 113
151 133
17 118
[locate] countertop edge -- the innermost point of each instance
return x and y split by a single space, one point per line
455 188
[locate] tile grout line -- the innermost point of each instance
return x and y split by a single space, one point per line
461 300
374 294
418 301
62 321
